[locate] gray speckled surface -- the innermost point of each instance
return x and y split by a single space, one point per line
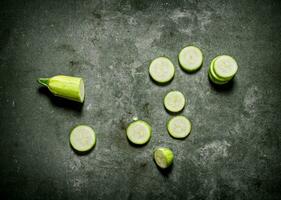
233 151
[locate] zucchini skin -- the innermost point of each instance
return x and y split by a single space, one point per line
213 76
68 87
169 156
213 73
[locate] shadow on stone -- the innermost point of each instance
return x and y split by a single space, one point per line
61 102
223 88
174 113
166 172
4 38
83 153
161 84
137 145
189 72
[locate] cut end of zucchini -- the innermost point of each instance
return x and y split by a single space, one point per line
139 132
81 91
82 138
161 70
163 157
67 87
174 101
190 58
225 67
179 127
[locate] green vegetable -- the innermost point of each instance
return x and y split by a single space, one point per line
179 127
161 70
213 77
163 157
82 138
139 132
190 58
222 69
216 81
68 87
174 101
225 67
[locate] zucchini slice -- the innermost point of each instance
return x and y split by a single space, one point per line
82 138
215 81
161 70
139 132
212 75
225 67
190 58
179 127
163 157
174 101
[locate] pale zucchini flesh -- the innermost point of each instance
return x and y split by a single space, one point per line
174 101
161 70
225 67
179 127
82 138
190 58
139 132
163 157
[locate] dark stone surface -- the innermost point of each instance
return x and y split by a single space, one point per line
234 149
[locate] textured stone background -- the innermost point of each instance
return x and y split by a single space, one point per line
233 151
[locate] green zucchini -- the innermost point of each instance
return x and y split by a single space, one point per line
174 101
225 67
215 81
179 127
68 87
190 58
161 70
139 132
214 75
163 157
82 138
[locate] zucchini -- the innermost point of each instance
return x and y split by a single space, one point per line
174 101
190 58
82 138
225 67
163 157
139 132
179 127
161 70
213 77
67 87
215 81
212 72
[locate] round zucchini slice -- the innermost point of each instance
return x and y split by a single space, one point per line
139 132
82 138
161 70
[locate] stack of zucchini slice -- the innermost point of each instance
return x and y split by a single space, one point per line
222 69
